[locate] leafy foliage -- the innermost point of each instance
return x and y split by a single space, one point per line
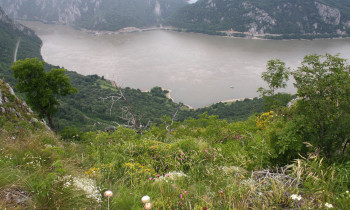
323 88
41 88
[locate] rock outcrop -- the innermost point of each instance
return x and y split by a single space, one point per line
258 17
15 110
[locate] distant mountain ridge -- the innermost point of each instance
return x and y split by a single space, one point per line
94 14
258 17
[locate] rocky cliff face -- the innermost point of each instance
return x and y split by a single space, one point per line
15 110
4 19
94 14
268 16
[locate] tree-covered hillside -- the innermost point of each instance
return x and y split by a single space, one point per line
10 34
265 17
95 14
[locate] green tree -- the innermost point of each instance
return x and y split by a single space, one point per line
276 76
41 88
323 84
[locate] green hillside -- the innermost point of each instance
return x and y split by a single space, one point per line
10 34
197 164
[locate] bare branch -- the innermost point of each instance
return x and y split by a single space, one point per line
168 126
113 101
128 114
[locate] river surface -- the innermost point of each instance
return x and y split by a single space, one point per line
199 69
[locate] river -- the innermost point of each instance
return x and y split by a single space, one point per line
199 69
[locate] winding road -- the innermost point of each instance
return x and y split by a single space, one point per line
17 45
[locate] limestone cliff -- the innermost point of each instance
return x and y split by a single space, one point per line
266 17
94 14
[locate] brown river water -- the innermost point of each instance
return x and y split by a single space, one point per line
199 69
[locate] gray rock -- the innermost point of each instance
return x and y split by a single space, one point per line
329 14
34 120
18 115
10 89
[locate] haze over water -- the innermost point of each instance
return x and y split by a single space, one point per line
199 69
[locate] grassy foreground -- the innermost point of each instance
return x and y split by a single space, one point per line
203 163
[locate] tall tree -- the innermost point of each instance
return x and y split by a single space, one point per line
323 84
41 88
276 76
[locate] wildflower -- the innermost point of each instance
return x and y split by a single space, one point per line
221 192
145 199
130 193
296 197
328 205
181 196
171 175
87 185
204 208
108 194
347 191
148 206
150 178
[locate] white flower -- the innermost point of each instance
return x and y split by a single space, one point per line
328 205
347 191
85 184
146 199
296 197
171 176
148 206
88 186
108 193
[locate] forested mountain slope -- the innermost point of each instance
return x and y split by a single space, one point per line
94 14
265 17
10 34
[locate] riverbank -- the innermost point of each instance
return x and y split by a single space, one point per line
169 91
227 34
127 30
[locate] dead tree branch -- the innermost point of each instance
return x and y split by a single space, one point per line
168 127
128 114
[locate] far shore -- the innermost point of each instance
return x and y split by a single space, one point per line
229 33
229 101
235 100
